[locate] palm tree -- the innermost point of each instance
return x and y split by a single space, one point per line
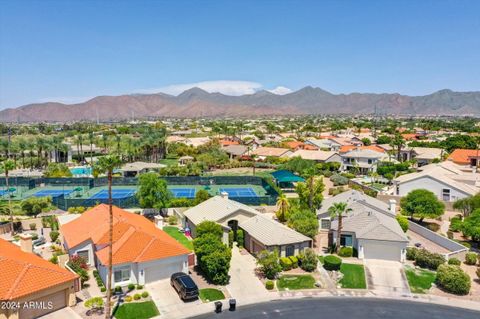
337 210
398 142
283 206
7 166
108 164
91 139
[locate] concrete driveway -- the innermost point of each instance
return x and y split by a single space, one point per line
63 313
167 300
386 276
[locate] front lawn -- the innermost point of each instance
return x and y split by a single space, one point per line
292 282
353 276
419 280
321 258
179 236
137 310
211 294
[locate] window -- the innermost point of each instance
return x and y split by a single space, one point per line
290 251
446 195
325 223
370 161
346 240
121 274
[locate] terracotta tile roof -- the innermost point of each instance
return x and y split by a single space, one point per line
410 137
347 148
135 238
228 142
25 273
462 156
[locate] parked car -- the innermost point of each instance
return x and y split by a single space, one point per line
40 241
184 286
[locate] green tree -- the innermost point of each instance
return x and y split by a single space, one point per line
209 227
384 139
398 143
310 192
153 191
471 226
337 210
303 221
422 203
467 205
283 205
6 167
269 263
309 260
366 141
201 196
459 141
108 164
35 205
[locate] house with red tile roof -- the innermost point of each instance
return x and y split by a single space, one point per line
142 253
26 277
464 157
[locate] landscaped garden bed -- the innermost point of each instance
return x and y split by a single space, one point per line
211 294
419 280
137 310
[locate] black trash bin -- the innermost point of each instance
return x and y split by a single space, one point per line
233 304
218 306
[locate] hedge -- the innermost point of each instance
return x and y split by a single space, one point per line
403 222
453 279
269 285
294 261
332 262
426 259
286 263
411 253
471 258
454 261
345 252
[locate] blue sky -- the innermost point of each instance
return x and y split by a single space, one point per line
70 51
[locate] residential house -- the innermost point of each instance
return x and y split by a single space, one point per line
318 156
39 286
370 227
362 160
137 168
142 253
421 155
447 180
325 144
465 157
236 151
261 232
297 145
264 152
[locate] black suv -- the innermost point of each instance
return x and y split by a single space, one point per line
184 286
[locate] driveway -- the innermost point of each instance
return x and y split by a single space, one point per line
386 276
63 313
244 284
168 302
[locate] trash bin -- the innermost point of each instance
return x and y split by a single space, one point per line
233 304
218 306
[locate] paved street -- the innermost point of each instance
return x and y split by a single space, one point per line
353 308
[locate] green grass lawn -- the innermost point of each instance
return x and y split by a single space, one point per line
292 282
321 258
419 280
179 236
353 276
137 310
211 294
169 161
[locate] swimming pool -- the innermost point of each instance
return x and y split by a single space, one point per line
81 170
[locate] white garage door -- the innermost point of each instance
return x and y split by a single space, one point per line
45 305
162 271
381 250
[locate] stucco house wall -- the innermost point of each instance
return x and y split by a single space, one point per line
435 186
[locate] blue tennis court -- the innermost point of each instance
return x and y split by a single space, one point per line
53 192
116 194
239 192
2 192
183 192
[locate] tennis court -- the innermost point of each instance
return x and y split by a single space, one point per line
53 193
183 192
2 192
116 194
239 192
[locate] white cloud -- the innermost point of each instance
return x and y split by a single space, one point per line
222 86
280 90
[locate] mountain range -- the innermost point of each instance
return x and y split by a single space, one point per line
196 102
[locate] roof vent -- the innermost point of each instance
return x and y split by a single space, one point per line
224 195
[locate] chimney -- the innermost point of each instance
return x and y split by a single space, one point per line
392 206
224 195
26 243
159 221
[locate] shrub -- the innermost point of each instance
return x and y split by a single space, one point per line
454 261
230 238
118 289
332 262
426 259
411 253
145 294
54 260
449 234
131 286
286 263
33 226
94 302
139 287
471 258
453 279
103 289
455 224
478 272
240 238
309 260
128 299
337 180
294 261
137 296
403 222
54 235
345 252
172 220
269 285
269 264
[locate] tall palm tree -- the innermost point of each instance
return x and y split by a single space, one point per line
337 210
7 166
91 139
108 164
283 206
398 143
